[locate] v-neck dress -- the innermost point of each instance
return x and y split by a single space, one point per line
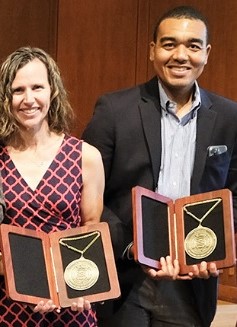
53 206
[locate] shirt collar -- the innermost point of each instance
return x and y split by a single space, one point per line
170 106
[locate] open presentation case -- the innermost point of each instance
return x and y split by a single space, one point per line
62 266
192 229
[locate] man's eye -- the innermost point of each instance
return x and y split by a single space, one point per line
168 46
195 47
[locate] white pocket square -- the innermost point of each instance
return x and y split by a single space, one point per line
215 150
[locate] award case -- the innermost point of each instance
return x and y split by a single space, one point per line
165 227
34 264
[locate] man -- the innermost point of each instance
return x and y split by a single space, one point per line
157 135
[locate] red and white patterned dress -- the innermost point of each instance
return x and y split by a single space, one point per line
53 206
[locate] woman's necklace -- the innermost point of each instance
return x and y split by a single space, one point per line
201 241
81 274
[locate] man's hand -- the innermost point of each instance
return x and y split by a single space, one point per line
203 271
171 270
168 269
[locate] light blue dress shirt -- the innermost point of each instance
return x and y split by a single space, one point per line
178 137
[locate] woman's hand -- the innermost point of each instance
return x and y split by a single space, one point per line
81 305
43 307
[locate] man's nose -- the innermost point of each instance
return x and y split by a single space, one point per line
180 53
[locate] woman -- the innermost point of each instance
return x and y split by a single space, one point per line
51 181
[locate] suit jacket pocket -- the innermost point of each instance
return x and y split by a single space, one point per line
215 172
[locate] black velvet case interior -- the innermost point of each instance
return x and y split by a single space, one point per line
155 225
155 228
29 265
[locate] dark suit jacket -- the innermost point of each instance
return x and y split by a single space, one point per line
126 128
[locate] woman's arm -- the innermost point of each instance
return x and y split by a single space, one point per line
93 185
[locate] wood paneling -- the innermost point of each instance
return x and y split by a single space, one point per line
96 50
27 22
143 40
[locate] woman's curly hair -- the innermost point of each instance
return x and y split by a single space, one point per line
60 114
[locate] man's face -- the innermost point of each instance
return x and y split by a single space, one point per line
180 53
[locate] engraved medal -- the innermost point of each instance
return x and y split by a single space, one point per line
200 242
81 274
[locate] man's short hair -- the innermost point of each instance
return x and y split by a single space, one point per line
182 12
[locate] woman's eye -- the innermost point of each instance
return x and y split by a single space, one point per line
37 87
17 91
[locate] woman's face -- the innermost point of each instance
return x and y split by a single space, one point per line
31 95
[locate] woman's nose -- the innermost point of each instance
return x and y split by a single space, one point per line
28 96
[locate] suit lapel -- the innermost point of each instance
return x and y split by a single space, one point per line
205 125
151 121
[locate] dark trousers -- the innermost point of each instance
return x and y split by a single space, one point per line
156 304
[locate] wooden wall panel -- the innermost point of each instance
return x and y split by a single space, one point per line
96 50
143 40
27 22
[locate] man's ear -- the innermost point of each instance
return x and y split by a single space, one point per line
152 51
208 50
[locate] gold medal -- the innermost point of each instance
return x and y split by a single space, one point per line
200 242
81 274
